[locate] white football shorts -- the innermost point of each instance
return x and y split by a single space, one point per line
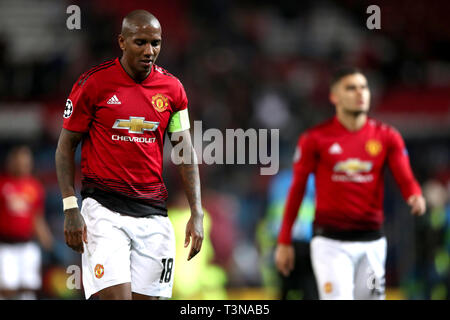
123 249
20 266
348 270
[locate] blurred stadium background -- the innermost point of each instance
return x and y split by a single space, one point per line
248 64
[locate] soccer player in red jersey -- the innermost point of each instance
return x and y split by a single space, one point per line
121 110
347 154
22 200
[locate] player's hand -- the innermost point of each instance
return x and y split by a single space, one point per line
194 230
417 204
284 258
75 231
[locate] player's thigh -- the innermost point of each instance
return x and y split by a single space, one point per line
333 269
106 256
370 272
153 257
137 296
9 267
120 291
30 257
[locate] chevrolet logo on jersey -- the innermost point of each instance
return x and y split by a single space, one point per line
136 125
353 166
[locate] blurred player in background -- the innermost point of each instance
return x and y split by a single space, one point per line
22 200
347 154
120 111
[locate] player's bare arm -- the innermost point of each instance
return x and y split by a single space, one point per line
42 232
191 183
74 226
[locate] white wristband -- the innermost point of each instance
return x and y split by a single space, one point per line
70 203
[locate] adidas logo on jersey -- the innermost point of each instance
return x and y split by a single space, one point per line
335 149
114 100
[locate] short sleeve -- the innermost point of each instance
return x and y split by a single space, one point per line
179 120
182 100
80 106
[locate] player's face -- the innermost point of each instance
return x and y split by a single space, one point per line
351 93
21 162
141 48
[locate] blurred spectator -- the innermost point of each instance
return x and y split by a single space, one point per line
199 278
429 278
222 209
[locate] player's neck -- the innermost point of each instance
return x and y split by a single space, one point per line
352 121
135 76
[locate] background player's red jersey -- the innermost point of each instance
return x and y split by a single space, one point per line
21 199
348 168
125 123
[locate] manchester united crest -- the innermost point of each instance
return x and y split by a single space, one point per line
99 271
328 287
160 102
373 147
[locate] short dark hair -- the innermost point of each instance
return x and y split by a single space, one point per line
342 72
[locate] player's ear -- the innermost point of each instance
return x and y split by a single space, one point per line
332 97
121 41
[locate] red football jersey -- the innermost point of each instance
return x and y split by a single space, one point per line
348 168
125 124
21 199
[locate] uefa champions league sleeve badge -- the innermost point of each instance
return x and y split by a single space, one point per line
68 110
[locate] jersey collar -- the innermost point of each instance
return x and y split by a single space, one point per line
128 77
341 127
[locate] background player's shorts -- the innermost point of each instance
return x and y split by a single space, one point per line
20 266
347 270
124 249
